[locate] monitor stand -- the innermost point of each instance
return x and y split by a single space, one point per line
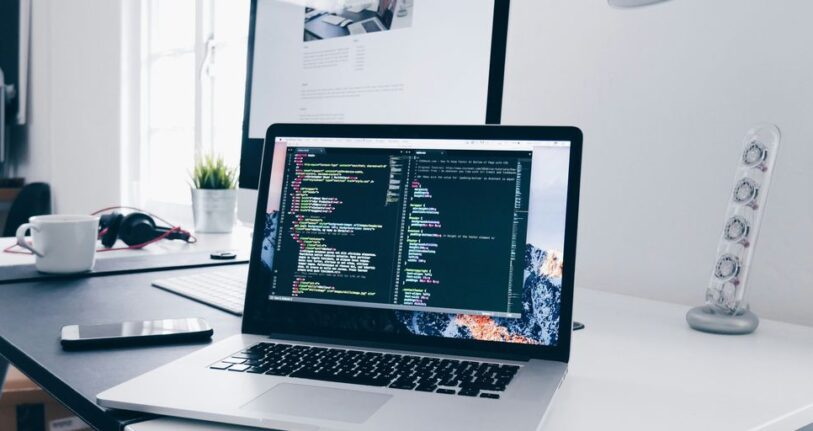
246 205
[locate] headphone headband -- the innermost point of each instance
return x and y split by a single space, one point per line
137 229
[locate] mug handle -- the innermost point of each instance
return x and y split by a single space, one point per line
21 238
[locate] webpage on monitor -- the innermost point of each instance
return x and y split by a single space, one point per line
373 61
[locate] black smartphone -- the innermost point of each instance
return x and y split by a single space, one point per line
135 333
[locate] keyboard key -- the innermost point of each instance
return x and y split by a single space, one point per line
403 385
485 386
250 355
509 369
492 396
260 347
239 367
445 391
220 366
450 381
469 392
234 360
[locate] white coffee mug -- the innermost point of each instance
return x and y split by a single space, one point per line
62 244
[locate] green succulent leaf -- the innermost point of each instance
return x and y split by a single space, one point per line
212 173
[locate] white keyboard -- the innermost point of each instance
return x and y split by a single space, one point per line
224 289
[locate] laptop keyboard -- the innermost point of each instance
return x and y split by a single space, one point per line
407 372
371 26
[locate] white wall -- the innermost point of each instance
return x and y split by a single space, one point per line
75 126
664 95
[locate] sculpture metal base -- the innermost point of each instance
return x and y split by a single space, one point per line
707 319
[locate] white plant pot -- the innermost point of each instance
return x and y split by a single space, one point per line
214 210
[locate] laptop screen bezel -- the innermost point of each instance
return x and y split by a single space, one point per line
258 306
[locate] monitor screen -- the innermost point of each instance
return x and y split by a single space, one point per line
443 238
371 61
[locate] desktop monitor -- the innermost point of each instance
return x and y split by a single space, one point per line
369 61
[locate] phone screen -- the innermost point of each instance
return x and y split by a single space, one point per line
143 328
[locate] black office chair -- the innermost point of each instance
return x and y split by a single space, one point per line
3 369
34 199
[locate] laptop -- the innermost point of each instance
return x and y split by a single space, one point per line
370 25
401 278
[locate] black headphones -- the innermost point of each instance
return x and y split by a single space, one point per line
135 229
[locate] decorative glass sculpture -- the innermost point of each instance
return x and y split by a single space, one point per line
726 309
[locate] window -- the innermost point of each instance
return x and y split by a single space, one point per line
193 60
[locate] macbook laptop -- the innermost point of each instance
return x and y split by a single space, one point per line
401 278
370 25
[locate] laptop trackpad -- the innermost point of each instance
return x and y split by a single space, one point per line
318 402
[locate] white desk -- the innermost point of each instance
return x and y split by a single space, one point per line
239 240
638 366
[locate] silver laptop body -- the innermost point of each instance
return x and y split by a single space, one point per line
324 328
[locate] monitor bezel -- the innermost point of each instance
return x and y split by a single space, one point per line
251 148
258 307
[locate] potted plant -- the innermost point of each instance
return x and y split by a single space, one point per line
214 196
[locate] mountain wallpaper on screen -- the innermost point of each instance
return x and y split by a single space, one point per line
539 323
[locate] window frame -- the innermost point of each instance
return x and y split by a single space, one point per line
140 21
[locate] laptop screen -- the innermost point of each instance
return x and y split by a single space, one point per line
427 237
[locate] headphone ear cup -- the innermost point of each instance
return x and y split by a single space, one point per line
137 228
112 223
